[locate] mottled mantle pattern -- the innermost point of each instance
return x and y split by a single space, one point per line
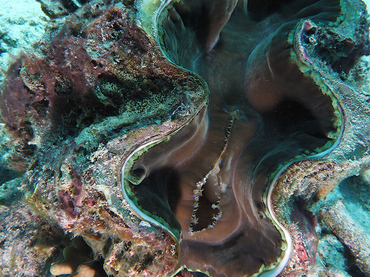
102 93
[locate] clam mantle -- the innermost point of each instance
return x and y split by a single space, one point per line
192 136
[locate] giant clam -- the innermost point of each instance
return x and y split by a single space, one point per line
188 137
271 103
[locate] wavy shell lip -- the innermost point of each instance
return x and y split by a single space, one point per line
306 26
194 125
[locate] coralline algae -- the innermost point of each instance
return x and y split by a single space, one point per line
182 138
